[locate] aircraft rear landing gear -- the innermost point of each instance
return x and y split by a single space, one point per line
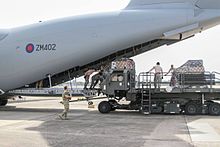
3 102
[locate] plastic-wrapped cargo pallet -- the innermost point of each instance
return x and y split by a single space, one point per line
191 66
123 64
192 73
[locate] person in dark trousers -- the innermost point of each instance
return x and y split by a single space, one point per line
96 78
87 76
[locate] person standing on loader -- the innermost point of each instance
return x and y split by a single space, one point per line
173 80
87 76
96 78
66 97
158 75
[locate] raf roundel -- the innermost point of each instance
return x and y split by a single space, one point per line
30 48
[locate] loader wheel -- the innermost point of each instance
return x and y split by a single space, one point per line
191 108
3 102
214 109
104 107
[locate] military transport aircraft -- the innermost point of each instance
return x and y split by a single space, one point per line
62 49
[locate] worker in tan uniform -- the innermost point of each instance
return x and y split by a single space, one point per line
158 75
66 97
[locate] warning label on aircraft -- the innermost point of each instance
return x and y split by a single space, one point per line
40 47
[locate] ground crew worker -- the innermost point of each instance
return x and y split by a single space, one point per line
158 75
96 78
86 77
66 97
173 80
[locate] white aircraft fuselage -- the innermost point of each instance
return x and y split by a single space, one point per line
31 52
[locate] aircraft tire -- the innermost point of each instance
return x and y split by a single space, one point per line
214 109
104 107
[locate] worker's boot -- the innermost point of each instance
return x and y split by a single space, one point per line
65 116
61 117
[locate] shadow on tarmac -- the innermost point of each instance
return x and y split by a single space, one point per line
119 128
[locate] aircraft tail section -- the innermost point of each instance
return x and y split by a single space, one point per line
202 4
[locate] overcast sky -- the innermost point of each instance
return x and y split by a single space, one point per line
203 46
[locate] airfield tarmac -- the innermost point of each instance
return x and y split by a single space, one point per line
33 122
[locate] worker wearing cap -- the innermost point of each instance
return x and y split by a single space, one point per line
66 97
158 75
